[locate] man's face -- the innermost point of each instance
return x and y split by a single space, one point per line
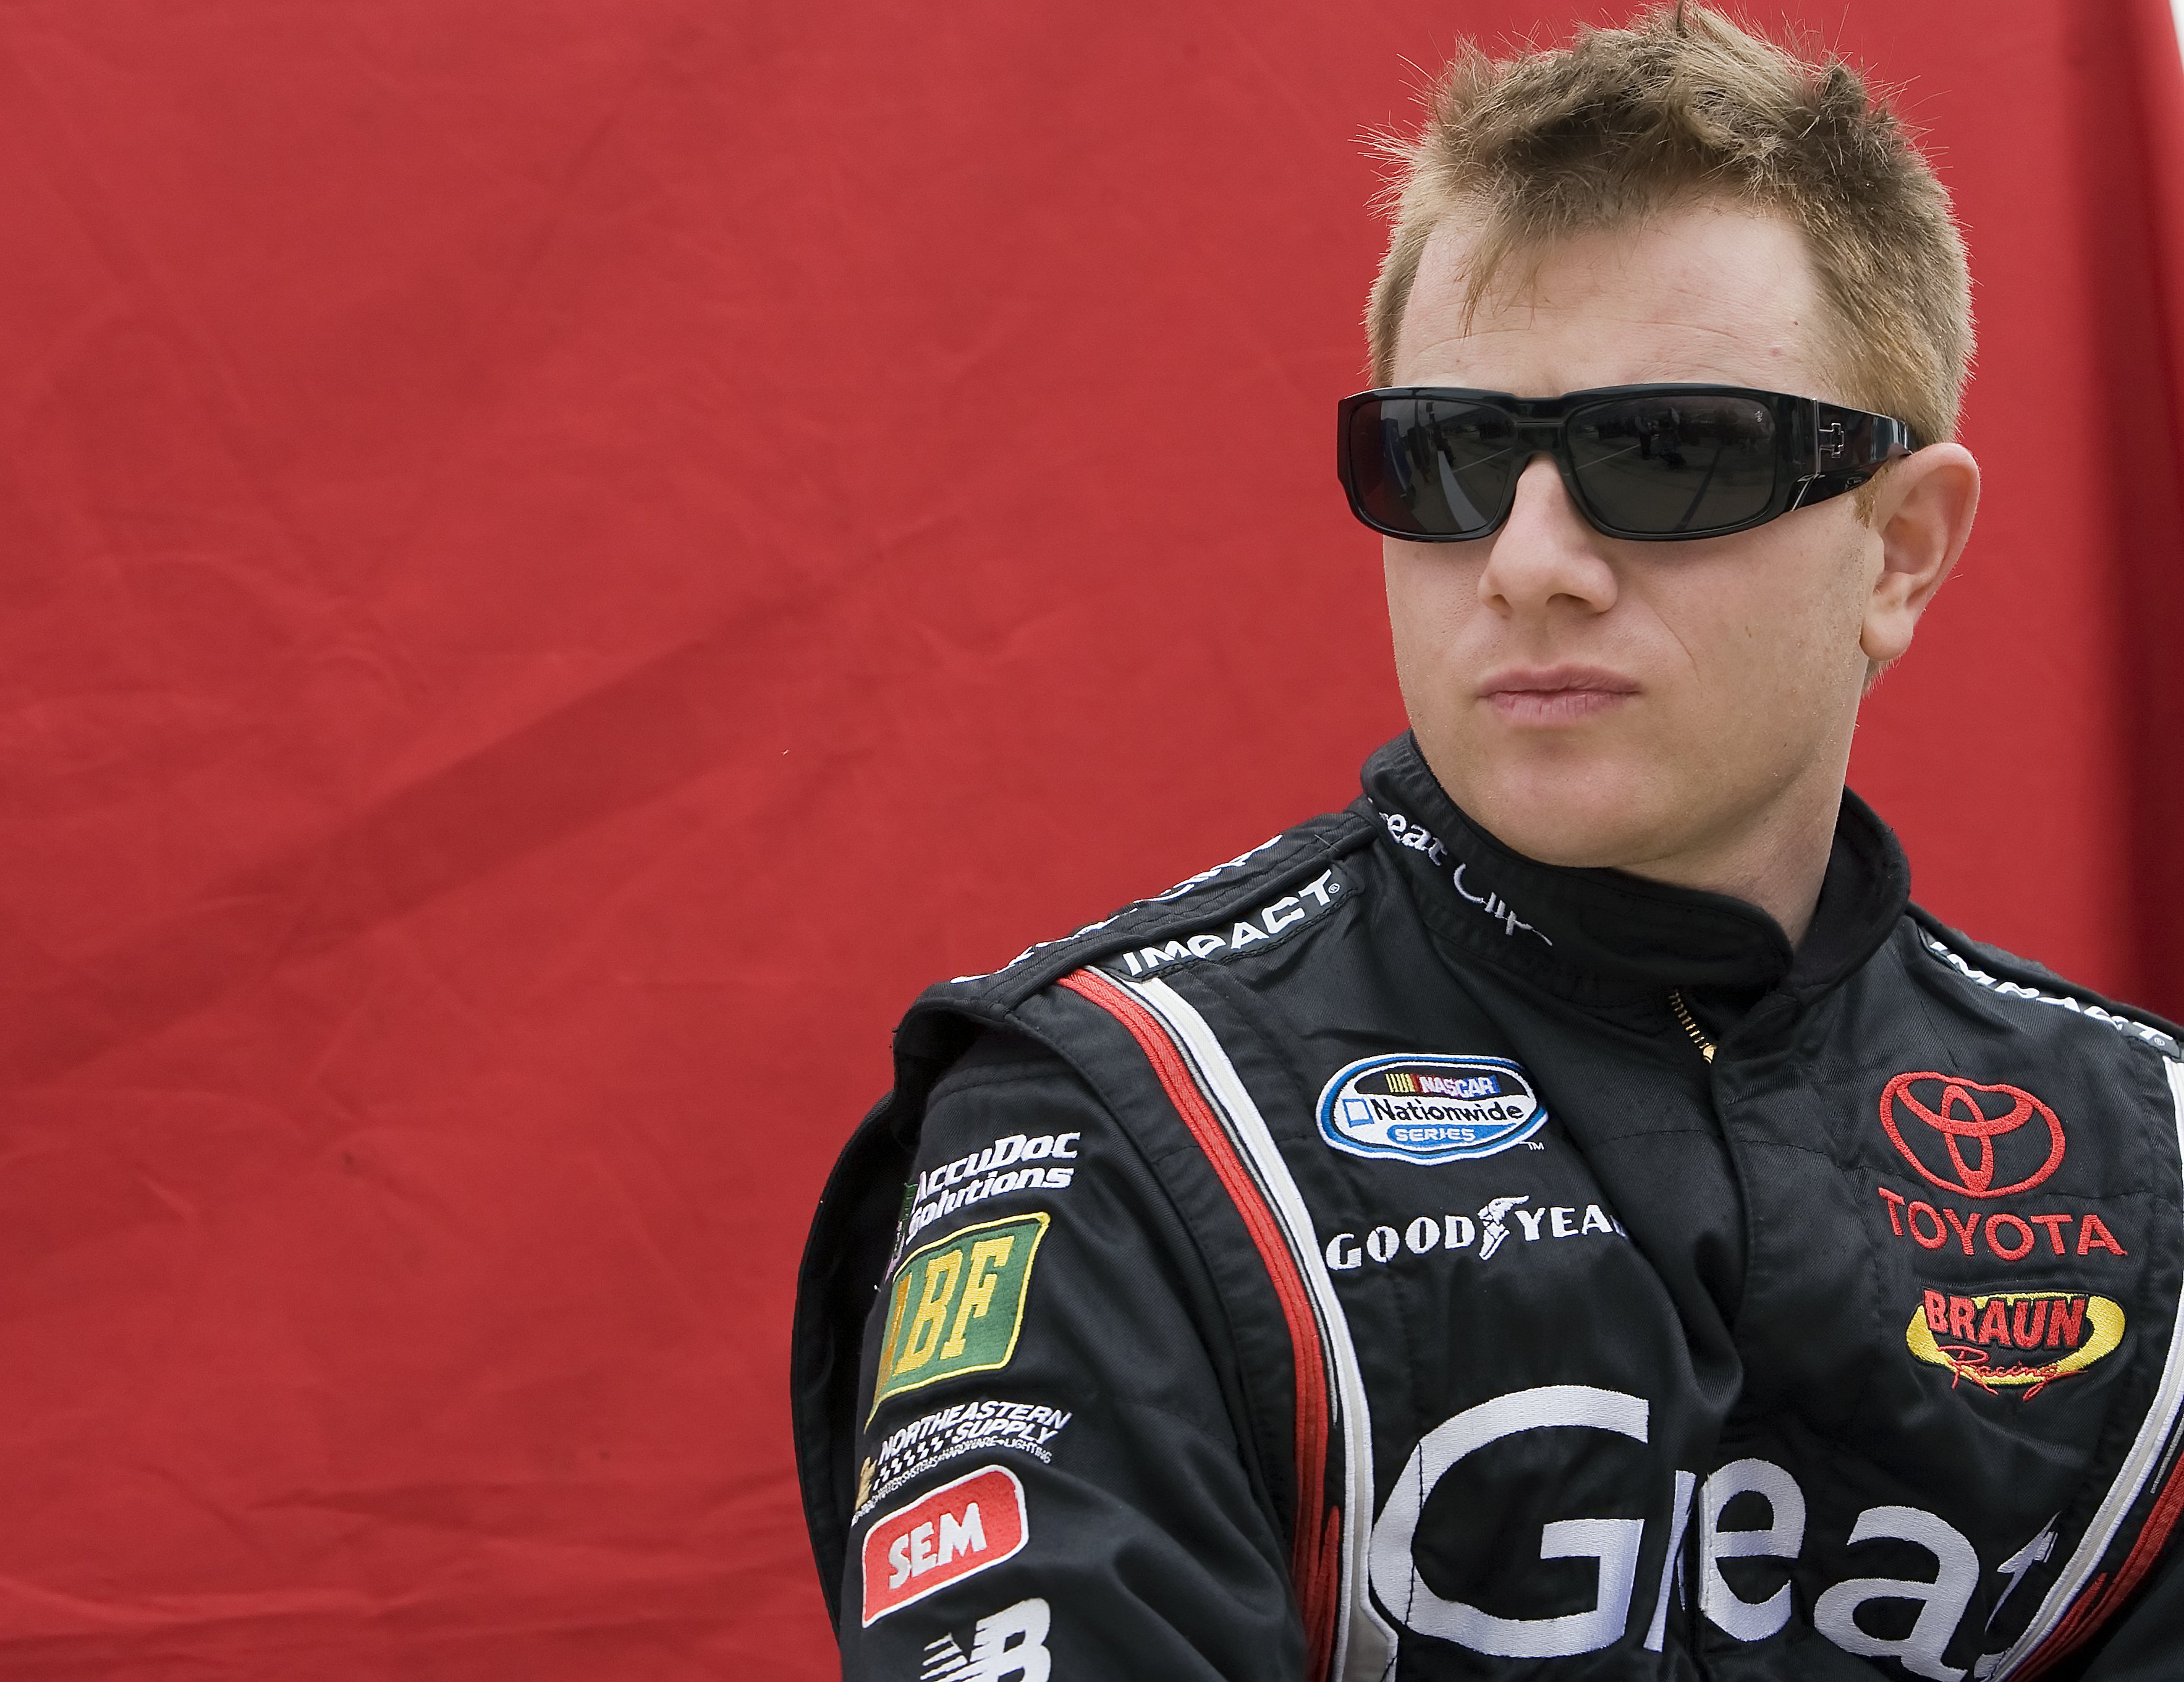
1593 700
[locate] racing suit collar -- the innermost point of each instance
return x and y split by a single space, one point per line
1604 932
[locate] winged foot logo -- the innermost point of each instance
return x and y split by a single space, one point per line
1429 1109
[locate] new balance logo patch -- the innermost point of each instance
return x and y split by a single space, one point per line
1009 1647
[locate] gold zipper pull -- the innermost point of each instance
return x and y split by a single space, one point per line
1691 1024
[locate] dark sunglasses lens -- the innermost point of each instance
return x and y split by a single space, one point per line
1431 467
1674 465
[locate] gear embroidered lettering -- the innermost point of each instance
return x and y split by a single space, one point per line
1415 837
1497 907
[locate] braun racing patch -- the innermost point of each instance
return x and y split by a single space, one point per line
1429 1109
958 1306
1990 1340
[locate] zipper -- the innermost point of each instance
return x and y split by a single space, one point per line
1691 1024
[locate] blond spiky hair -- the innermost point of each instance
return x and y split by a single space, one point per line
1682 105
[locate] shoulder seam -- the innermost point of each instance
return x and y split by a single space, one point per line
1196 900
2143 1026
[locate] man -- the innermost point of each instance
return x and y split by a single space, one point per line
1567 1215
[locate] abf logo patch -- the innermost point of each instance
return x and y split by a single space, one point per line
1429 1109
955 1532
958 1306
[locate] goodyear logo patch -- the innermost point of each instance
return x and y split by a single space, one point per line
2014 1340
958 1306
1429 1109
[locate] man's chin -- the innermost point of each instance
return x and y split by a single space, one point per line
1576 826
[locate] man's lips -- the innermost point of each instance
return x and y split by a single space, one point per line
1555 695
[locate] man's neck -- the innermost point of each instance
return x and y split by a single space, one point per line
1775 861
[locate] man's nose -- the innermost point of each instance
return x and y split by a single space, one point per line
1545 551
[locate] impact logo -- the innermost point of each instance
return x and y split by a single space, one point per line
1312 900
1429 1109
1010 1647
2021 1340
955 1532
1967 1136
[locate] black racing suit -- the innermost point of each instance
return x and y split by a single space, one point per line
1386 1255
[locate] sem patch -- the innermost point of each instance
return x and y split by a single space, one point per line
1429 1109
957 1305
955 1532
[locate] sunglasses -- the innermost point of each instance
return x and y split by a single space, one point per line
1434 464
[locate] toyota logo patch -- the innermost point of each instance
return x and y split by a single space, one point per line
1968 1137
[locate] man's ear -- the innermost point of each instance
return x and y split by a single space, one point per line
1922 513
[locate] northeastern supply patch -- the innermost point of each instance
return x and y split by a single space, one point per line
1429 1109
958 1306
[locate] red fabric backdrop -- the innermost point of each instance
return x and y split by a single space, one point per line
560 560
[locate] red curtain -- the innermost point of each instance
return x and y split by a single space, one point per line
558 560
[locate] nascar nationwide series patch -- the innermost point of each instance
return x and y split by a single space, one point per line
958 1306
1429 1109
